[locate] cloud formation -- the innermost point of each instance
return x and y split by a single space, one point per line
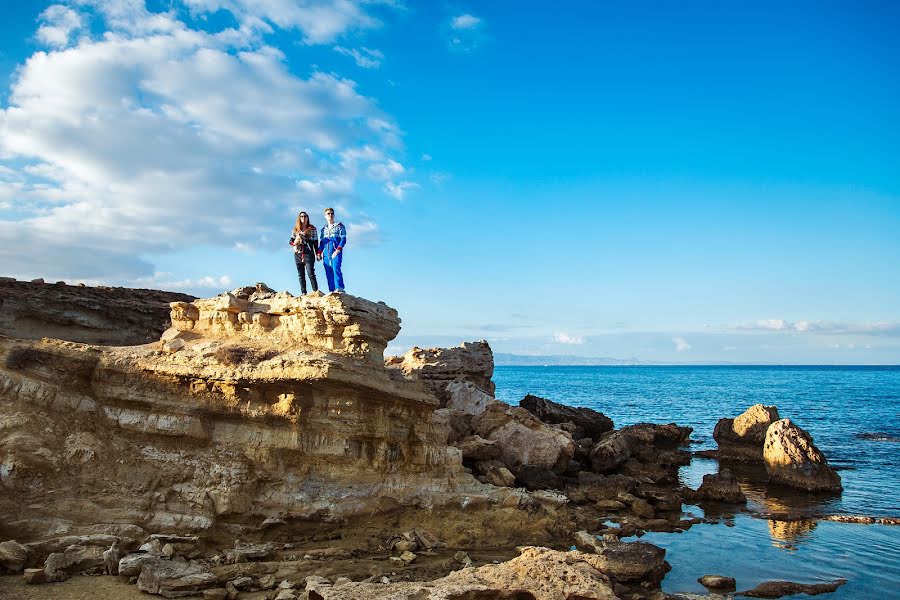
464 21
465 32
154 136
367 58
823 327
681 344
565 338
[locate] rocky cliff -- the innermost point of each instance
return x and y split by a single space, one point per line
253 405
93 315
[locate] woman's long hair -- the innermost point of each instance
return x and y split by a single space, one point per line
297 224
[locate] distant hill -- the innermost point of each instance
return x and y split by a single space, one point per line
525 360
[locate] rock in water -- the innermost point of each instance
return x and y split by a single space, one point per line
592 423
742 438
792 459
717 582
721 487
777 589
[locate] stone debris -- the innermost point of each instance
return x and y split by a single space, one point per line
59 566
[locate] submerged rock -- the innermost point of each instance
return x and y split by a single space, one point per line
792 459
717 582
777 589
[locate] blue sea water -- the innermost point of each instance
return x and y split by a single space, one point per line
853 414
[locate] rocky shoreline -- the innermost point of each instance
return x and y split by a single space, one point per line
264 448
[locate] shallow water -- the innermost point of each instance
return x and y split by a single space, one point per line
839 406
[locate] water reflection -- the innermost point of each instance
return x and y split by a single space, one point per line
788 535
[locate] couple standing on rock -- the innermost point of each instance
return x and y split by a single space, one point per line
327 246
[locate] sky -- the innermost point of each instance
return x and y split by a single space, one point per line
679 182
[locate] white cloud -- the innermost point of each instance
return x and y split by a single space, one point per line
58 23
166 281
320 21
426 157
681 344
363 233
152 137
366 58
565 338
465 21
398 190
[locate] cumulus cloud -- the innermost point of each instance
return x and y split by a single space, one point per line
565 338
363 233
465 21
681 344
366 58
58 23
398 190
154 136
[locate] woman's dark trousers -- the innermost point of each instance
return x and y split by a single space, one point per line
307 267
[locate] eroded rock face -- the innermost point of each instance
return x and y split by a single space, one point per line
742 438
720 487
268 402
792 459
438 367
523 439
590 422
94 315
537 573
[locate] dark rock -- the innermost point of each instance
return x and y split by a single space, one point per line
634 561
591 422
777 589
669 435
721 487
536 478
611 451
475 447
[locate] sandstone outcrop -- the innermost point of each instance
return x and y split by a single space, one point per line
94 315
793 460
742 438
270 406
438 367
537 573
588 422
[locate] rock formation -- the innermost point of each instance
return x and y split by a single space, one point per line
250 407
742 438
792 459
720 487
588 422
438 367
93 315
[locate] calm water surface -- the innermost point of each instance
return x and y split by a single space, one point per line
837 405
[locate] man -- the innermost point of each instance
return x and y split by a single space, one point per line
332 240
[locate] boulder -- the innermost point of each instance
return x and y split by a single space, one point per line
501 477
174 579
611 451
669 435
720 487
523 439
13 556
455 423
466 397
717 582
59 566
476 447
131 565
538 478
592 423
793 460
742 438
778 589
633 562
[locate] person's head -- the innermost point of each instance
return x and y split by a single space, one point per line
302 221
329 215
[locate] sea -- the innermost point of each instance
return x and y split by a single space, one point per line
853 414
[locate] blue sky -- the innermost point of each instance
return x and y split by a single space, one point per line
688 182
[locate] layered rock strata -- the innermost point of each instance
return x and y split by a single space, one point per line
471 362
94 315
250 407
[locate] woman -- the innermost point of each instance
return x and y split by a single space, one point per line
331 247
305 242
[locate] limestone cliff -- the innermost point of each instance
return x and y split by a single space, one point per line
253 405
